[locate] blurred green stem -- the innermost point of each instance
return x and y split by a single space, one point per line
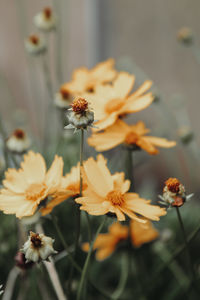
73 262
190 266
129 168
123 278
87 261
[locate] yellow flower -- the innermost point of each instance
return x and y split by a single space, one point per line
26 187
110 102
84 80
108 193
142 233
132 135
69 187
106 243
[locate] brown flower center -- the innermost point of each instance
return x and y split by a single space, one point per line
34 39
115 197
35 240
79 105
47 12
36 191
131 138
19 134
114 105
173 185
65 94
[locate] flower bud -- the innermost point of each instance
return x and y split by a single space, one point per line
185 36
35 45
63 99
18 142
38 247
80 116
174 193
45 20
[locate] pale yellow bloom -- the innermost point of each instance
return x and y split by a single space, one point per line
25 188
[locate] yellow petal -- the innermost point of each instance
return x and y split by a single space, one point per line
34 167
123 84
54 174
136 104
143 88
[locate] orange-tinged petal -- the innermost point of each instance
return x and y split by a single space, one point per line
34 167
130 214
143 88
142 233
54 174
94 209
106 122
147 146
98 175
110 138
104 253
160 142
144 208
120 183
15 180
104 71
123 84
136 104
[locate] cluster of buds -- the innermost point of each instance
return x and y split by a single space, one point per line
185 36
18 142
63 99
38 247
174 193
45 20
79 115
35 45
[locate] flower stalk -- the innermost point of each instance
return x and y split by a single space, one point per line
87 261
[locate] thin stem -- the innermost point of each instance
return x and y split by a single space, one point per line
186 243
87 261
73 262
129 168
123 278
10 284
81 160
51 269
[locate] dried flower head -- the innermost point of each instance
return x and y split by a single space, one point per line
80 116
35 45
63 98
38 247
45 20
21 263
185 36
18 142
174 193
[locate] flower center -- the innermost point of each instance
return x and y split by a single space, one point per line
66 95
131 138
114 105
173 185
47 12
19 134
34 39
79 105
36 191
115 197
35 240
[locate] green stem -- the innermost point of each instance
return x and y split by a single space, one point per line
123 278
73 262
190 266
129 168
87 261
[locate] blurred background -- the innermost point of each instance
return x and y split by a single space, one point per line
141 36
